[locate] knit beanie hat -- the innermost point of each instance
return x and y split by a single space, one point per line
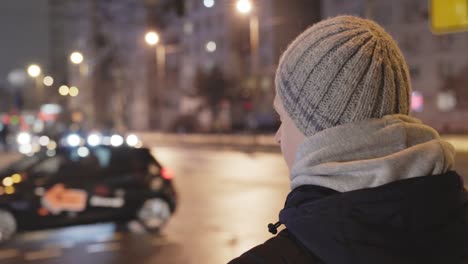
341 70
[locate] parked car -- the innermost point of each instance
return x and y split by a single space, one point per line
81 185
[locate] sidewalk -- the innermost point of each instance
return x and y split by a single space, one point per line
459 141
245 142
260 142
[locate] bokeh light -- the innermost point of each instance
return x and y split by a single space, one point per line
74 91
152 38
64 90
48 81
76 57
34 70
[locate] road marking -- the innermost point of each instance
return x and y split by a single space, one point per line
459 142
103 247
108 238
8 253
34 236
61 245
43 254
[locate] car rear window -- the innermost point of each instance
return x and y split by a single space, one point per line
122 159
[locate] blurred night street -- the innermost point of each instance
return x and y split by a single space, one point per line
150 131
220 191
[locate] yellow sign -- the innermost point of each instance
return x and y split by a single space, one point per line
449 15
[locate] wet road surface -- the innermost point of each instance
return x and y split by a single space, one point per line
227 198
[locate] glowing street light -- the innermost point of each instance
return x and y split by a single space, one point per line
208 3
63 90
8 181
76 57
34 70
48 81
74 91
152 38
158 43
244 6
211 46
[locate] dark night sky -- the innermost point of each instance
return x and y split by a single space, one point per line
24 34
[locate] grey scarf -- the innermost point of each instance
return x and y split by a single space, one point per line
371 153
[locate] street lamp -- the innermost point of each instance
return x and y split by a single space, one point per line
79 71
208 3
76 57
34 70
63 90
211 46
245 7
152 39
73 91
48 81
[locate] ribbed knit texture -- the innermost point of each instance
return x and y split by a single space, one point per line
341 70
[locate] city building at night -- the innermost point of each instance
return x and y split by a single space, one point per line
437 62
244 44
125 81
110 76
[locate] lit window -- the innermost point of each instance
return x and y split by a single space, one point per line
417 102
446 101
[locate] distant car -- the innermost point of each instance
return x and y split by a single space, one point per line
70 186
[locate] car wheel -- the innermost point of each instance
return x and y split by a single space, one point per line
7 225
154 214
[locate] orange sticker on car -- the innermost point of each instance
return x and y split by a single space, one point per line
58 199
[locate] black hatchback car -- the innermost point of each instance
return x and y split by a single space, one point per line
70 186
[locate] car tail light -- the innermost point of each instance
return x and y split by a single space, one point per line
101 190
167 174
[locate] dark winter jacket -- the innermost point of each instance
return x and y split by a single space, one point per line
419 220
